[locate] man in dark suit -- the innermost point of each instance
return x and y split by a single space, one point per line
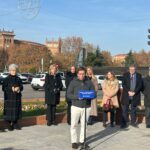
132 86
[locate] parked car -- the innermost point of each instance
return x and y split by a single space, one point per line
100 79
23 78
120 78
63 82
29 76
39 80
62 74
4 74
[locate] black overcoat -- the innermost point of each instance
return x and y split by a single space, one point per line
146 91
12 100
126 88
69 77
53 86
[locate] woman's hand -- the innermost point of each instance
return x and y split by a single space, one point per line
16 89
13 89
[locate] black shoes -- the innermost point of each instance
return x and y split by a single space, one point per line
135 125
147 126
104 125
90 121
17 127
69 123
84 146
52 123
11 128
49 123
14 127
123 126
74 146
81 145
112 125
2 130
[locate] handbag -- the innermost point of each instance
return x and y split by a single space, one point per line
108 106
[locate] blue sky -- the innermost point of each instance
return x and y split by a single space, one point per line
114 25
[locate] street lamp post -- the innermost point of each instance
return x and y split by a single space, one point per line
148 37
42 64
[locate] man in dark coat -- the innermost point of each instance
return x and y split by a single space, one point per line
146 93
12 87
69 77
53 86
132 86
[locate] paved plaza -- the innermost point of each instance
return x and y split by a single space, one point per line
58 138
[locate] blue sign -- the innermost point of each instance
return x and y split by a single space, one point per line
86 94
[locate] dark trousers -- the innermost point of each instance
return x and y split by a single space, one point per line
147 114
51 113
69 112
125 117
12 122
112 116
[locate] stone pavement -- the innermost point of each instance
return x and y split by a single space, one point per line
58 138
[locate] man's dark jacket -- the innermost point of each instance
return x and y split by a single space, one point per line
73 92
126 88
69 77
146 91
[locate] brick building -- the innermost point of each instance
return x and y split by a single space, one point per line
6 39
119 58
54 46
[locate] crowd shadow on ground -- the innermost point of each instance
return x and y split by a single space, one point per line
104 135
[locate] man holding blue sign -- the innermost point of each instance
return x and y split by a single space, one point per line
81 91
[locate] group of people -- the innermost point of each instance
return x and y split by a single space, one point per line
76 80
84 79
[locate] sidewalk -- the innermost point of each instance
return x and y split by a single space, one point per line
58 138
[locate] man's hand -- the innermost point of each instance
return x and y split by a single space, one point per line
80 98
133 93
130 93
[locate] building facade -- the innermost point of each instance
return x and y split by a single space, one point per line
119 58
54 46
6 39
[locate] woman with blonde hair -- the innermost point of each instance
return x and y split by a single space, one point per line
53 86
110 89
91 76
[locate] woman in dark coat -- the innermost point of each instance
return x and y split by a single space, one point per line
12 87
53 86
146 93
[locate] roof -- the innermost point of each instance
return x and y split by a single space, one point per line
120 55
27 42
